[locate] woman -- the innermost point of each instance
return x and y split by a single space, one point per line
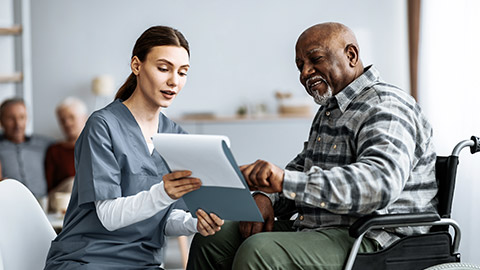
120 210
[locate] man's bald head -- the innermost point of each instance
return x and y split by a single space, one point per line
331 32
327 55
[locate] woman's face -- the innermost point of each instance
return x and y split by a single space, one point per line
162 74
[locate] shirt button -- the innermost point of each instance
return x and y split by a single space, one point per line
327 113
293 195
322 204
319 138
300 218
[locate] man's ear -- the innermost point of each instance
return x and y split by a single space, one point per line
136 65
351 50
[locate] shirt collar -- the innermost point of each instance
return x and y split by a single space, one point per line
369 77
27 139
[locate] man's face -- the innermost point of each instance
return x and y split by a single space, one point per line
323 65
71 122
14 122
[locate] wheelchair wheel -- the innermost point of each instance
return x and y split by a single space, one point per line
454 266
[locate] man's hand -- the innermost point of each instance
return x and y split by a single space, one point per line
208 224
179 183
263 175
265 206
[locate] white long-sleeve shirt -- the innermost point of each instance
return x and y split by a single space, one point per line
124 211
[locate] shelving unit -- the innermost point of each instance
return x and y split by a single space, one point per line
18 81
12 78
215 119
14 30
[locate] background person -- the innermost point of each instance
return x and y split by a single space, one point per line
22 156
369 151
121 210
59 162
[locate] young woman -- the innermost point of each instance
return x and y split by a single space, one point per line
120 209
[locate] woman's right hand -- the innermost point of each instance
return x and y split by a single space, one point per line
178 183
208 224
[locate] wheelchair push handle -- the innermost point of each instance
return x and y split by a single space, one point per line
476 144
473 143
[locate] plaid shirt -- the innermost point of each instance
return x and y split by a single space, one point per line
369 151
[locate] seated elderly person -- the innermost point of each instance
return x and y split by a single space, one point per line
369 151
22 156
59 161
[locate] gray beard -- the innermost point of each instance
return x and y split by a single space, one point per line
322 100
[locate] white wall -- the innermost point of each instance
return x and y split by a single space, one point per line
449 94
241 51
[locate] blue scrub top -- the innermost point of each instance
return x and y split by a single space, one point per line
112 160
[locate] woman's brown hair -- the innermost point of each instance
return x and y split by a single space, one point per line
152 37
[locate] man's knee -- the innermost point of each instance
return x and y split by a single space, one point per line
255 252
215 251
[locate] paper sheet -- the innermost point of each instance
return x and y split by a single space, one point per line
201 154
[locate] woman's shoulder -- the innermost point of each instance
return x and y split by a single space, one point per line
167 125
110 114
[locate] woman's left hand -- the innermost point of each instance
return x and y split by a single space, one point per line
208 224
179 183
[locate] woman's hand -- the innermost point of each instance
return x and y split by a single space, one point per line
179 183
208 224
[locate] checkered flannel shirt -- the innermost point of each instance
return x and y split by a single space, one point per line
369 151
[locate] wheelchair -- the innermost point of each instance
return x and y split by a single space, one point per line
434 250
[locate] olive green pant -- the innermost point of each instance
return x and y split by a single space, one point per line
283 248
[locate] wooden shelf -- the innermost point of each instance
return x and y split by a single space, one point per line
11 78
234 118
13 30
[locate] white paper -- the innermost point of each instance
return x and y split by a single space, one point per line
203 155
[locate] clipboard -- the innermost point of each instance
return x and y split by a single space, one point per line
224 191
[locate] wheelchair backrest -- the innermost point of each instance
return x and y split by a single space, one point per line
445 173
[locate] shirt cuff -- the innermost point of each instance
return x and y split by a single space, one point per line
180 223
160 195
272 196
293 185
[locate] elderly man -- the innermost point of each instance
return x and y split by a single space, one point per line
369 151
72 114
59 164
22 157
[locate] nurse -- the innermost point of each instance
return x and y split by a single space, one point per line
121 210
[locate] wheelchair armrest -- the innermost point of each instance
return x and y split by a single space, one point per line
365 223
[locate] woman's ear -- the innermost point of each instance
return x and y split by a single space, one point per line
135 65
351 51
